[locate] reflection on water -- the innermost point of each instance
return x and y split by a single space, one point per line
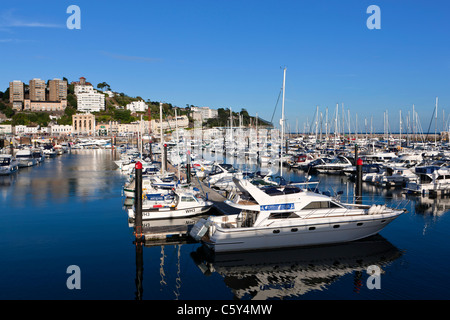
293 272
434 206
88 186
84 174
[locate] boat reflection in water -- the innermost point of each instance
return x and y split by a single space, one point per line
262 275
434 206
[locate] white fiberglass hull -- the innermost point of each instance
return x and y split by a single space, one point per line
310 232
7 170
29 162
170 213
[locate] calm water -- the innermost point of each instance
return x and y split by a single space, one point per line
69 211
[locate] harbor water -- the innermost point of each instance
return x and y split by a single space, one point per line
69 211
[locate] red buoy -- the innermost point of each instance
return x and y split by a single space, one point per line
359 162
138 165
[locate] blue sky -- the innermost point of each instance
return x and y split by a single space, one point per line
231 53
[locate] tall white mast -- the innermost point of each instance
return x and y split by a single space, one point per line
336 125
343 118
231 124
282 124
317 122
163 169
400 128
435 123
178 143
414 124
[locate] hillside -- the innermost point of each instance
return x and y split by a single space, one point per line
115 110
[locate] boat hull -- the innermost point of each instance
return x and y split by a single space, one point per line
29 162
309 233
170 213
4 171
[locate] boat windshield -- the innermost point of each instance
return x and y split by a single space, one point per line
229 168
188 199
5 161
274 191
339 160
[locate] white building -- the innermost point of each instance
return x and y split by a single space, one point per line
60 129
88 99
142 126
137 106
170 124
109 93
5 129
83 88
203 113
21 129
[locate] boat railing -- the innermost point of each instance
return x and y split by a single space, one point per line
338 211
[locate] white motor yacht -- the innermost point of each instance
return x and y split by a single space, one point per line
288 217
221 172
397 176
25 158
177 204
8 164
429 179
38 154
336 166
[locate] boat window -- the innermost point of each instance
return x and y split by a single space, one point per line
320 205
283 215
272 191
440 178
217 170
425 179
290 190
4 162
187 199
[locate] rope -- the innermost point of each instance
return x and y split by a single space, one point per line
278 100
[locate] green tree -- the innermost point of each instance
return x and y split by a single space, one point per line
20 119
72 100
6 110
103 85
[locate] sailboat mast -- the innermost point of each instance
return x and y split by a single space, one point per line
178 143
400 129
163 168
435 124
282 123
